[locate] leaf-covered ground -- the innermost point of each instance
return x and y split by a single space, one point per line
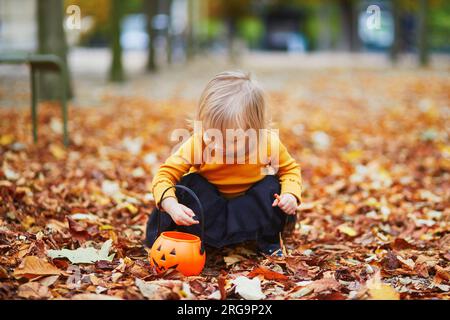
375 153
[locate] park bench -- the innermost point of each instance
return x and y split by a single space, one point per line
41 62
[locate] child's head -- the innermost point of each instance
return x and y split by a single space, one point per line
232 100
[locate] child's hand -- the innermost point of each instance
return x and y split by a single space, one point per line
287 202
180 214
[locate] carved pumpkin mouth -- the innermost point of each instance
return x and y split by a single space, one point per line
162 268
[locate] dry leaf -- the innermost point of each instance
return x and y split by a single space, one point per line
379 290
249 289
267 274
33 290
32 266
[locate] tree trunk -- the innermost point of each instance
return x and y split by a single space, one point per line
422 36
190 37
324 15
116 70
151 9
349 21
52 40
168 11
395 48
232 41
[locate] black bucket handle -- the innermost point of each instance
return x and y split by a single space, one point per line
199 204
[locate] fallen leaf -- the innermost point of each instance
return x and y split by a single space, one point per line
158 290
345 229
84 255
233 259
324 284
32 266
390 261
379 290
301 293
33 290
442 273
401 244
77 231
9 173
94 296
48 281
267 274
58 152
249 289
6 139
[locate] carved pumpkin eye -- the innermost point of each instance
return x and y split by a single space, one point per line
159 248
173 252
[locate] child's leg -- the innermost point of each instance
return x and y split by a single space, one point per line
214 206
253 214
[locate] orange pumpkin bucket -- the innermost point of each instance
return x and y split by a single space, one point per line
182 251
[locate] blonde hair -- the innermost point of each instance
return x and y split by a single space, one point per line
232 100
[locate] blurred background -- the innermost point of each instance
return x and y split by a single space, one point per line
139 43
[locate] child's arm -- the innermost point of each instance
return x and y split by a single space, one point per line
289 174
168 175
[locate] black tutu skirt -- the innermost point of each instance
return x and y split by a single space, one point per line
227 221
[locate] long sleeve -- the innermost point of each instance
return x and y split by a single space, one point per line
171 171
289 171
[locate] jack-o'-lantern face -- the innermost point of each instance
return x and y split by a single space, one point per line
177 250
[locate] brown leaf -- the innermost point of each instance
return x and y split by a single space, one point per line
48 281
267 274
60 263
3 273
106 265
325 284
421 269
401 244
442 273
390 261
77 231
33 290
331 296
32 266
297 266
222 282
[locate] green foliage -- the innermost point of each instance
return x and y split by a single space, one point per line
100 11
212 28
251 29
440 26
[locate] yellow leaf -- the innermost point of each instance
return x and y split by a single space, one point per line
58 152
129 207
27 222
232 259
445 149
353 155
6 139
343 228
379 290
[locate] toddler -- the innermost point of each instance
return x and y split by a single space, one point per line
236 165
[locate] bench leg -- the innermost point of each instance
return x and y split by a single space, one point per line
64 108
34 103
